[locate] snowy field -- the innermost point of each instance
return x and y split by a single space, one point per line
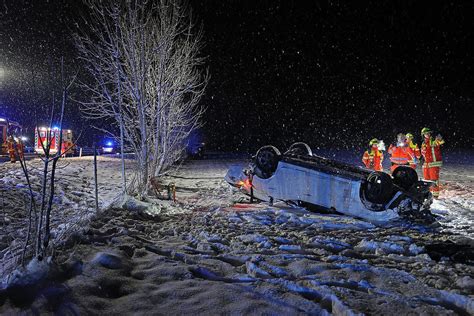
211 252
74 199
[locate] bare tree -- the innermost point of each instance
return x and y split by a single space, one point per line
147 77
44 222
42 217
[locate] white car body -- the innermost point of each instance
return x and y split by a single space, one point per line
324 183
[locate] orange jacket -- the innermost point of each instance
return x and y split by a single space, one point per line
431 151
20 147
415 149
11 144
401 155
373 159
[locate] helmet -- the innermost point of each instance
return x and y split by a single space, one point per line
425 130
409 135
373 141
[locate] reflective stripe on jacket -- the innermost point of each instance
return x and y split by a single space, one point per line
416 151
373 159
431 151
401 155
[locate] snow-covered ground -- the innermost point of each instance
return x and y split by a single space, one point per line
456 206
211 252
74 199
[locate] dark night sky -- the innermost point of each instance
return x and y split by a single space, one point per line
329 73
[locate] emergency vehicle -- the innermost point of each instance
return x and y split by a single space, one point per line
43 134
108 147
7 128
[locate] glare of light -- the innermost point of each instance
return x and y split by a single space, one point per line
2 119
23 138
109 144
381 145
244 184
42 128
107 149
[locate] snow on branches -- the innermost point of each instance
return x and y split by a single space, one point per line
146 74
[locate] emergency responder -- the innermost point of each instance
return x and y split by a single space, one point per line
373 157
401 154
431 151
20 147
416 150
11 149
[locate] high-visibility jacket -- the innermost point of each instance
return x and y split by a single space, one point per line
431 151
416 151
401 155
67 148
11 145
21 149
11 149
373 159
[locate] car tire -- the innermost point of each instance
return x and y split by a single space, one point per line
405 177
266 161
378 188
300 149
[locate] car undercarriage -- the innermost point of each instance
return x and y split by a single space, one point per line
299 177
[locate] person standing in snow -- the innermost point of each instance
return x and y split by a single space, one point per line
373 157
401 154
415 149
11 149
431 151
20 147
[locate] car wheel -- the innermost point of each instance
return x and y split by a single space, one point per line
378 188
300 148
266 161
404 177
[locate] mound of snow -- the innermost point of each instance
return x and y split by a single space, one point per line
107 260
372 246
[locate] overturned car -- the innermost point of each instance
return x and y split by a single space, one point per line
299 177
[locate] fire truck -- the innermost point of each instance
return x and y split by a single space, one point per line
44 134
7 128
